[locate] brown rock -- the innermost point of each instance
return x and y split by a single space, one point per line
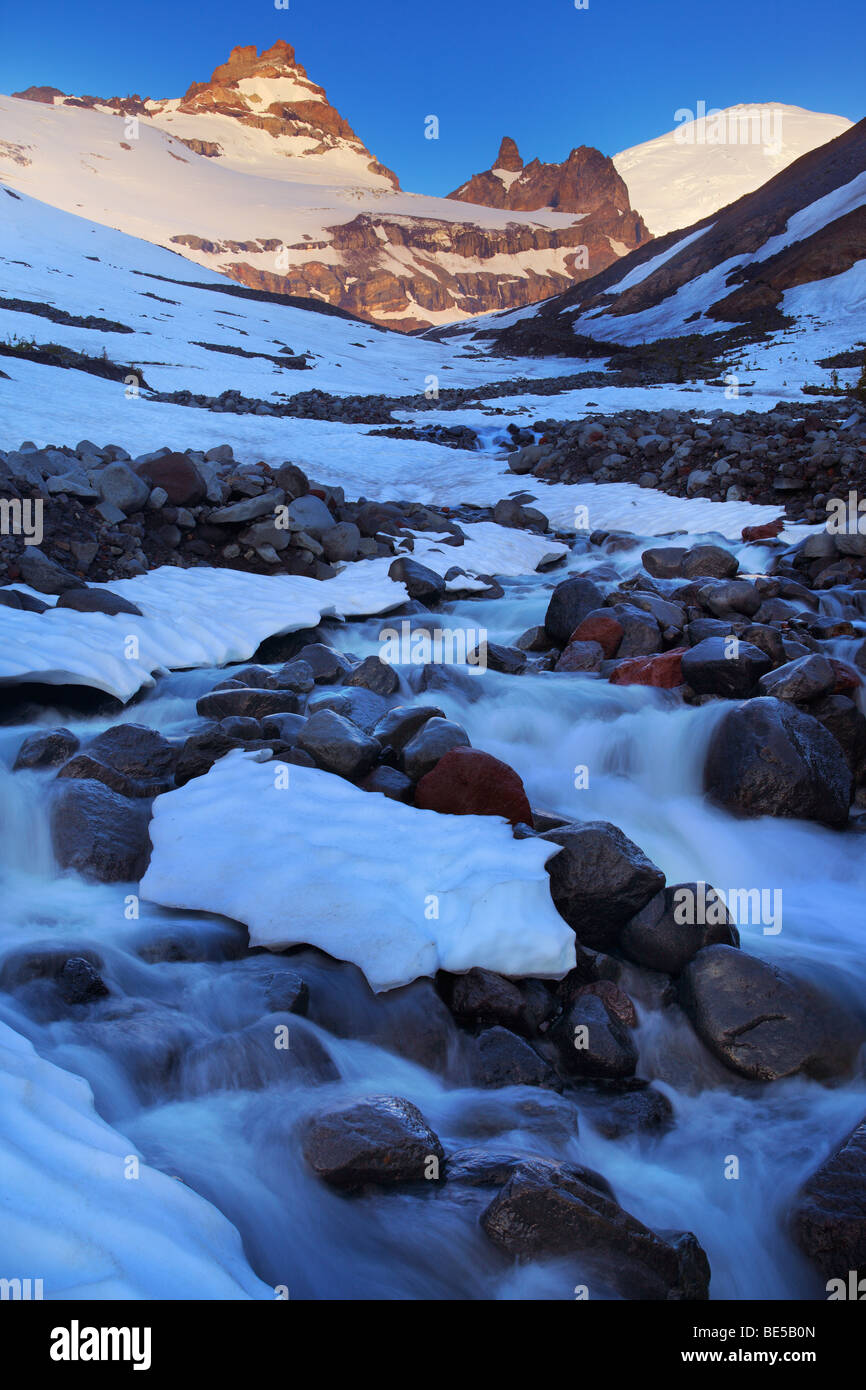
601 627
766 532
664 671
178 476
467 782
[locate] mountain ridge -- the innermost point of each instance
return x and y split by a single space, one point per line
324 219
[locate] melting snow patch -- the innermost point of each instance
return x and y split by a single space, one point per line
195 617
488 549
398 891
73 1221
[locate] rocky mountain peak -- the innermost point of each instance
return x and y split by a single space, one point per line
509 156
245 62
271 91
584 182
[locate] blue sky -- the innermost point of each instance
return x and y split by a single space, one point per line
542 71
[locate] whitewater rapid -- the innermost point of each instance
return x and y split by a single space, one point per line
186 1075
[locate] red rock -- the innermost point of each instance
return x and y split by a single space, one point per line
765 532
581 656
664 670
602 628
616 1001
179 477
467 782
846 679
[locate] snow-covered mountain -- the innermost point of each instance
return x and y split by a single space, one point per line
712 158
781 274
256 175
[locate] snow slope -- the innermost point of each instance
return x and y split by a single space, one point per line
72 263
398 891
686 174
247 209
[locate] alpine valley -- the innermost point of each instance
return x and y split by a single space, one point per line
432 706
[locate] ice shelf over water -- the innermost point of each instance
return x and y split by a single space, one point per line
194 617
398 891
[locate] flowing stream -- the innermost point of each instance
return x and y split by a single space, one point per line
181 1060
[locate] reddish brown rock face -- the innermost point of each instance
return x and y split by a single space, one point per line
587 180
509 156
765 532
45 95
601 628
372 292
178 476
663 671
736 232
445 275
467 782
847 679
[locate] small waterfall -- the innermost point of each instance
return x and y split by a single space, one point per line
180 1054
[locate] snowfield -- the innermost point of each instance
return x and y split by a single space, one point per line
52 258
89 163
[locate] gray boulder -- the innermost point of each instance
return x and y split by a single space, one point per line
434 739
768 758
808 678
341 542
829 1216
669 932
569 604
310 514
338 746
421 582
592 1042
381 1139
47 748
97 601
45 574
599 880
762 1022
548 1209
501 1058
103 835
715 667
122 488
